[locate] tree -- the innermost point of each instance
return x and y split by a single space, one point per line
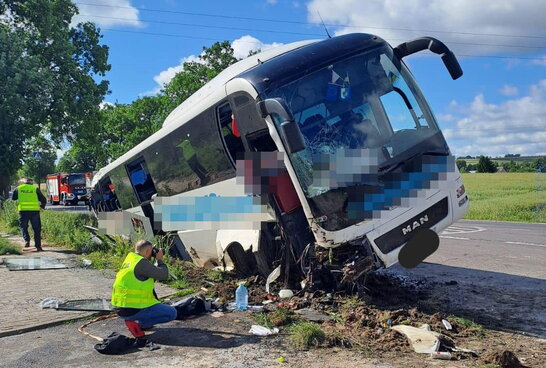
486 165
117 128
35 167
196 74
50 76
461 164
77 159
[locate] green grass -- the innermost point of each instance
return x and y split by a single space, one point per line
307 335
7 248
517 197
60 228
466 323
279 317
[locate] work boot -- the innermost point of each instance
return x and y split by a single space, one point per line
39 249
27 244
134 329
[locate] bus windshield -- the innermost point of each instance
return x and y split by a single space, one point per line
76 179
361 117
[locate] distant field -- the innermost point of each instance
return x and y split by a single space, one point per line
500 161
506 196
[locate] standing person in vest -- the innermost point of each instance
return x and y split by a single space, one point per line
29 201
133 294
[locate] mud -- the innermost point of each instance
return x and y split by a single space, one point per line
506 359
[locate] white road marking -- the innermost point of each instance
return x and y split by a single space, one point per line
523 243
463 230
453 237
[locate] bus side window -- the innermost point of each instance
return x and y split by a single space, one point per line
230 131
141 180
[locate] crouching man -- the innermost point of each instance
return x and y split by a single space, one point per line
133 294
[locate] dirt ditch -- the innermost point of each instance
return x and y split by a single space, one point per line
362 323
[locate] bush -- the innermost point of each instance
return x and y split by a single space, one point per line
307 335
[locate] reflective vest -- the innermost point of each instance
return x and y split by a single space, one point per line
130 292
27 198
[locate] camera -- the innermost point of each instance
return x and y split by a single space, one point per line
154 251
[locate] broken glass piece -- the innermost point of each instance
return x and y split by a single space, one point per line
92 305
33 263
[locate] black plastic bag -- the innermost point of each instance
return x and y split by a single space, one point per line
116 344
189 307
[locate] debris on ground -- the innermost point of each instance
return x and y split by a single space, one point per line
49 303
505 359
447 325
33 263
262 330
313 315
88 305
422 339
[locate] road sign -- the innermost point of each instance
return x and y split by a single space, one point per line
37 156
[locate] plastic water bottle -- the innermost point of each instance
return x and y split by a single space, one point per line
241 297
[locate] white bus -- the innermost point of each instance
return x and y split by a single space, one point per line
352 161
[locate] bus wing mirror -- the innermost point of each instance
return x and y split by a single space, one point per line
290 129
436 46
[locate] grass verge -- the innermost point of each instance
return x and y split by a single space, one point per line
7 248
60 228
307 335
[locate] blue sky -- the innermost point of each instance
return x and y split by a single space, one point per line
497 107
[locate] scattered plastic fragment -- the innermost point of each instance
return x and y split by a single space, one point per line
280 359
443 355
50 303
262 331
422 339
87 262
286 293
447 325
272 277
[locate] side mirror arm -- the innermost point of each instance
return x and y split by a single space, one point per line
435 46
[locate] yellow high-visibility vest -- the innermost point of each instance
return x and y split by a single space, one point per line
27 199
130 292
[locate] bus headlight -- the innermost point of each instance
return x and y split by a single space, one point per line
463 201
460 191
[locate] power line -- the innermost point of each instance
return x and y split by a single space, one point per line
306 23
216 39
286 32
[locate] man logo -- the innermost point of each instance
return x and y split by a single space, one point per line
414 225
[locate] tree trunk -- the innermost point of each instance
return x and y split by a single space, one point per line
5 181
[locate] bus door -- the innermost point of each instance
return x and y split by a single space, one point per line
279 186
254 136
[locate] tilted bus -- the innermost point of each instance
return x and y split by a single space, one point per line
362 163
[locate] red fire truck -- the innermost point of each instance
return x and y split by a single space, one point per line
68 189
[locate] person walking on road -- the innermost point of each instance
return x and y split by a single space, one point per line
133 294
29 201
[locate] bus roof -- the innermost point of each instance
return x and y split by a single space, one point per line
194 104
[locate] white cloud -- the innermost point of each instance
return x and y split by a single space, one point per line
509 90
514 126
109 13
396 21
241 48
540 61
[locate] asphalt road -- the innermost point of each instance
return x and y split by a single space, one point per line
508 247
